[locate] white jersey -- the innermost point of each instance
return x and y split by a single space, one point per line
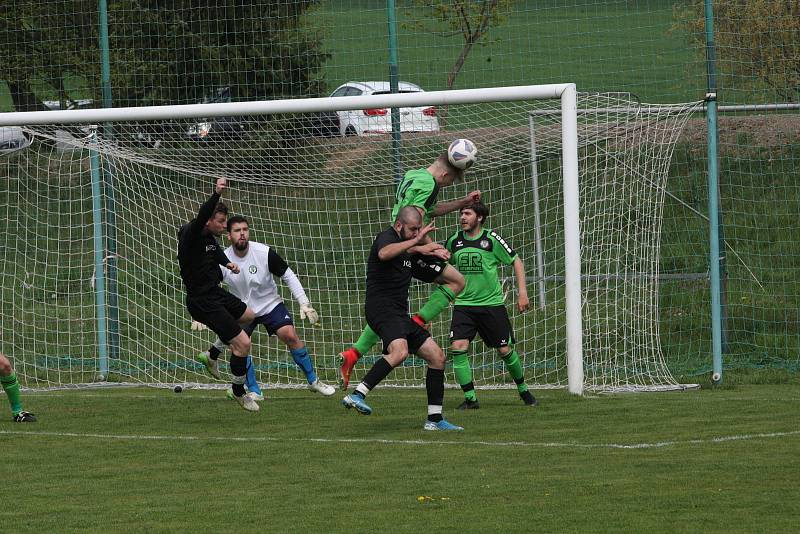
254 284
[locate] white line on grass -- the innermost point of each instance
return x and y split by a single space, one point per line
656 445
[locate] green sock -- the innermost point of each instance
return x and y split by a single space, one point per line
463 373
514 367
366 340
439 301
11 387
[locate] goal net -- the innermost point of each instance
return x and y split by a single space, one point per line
92 201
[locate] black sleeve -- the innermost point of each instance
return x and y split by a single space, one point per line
222 258
277 265
205 212
383 240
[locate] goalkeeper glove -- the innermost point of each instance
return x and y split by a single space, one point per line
197 325
307 312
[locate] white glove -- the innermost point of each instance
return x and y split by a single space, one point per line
197 325
307 312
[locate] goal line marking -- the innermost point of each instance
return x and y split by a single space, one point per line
523 444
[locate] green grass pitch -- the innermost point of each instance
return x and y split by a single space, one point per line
145 459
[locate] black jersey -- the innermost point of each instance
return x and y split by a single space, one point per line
199 253
388 281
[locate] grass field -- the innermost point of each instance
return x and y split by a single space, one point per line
722 460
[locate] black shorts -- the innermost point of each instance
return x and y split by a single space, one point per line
427 269
391 325
491 322
218 310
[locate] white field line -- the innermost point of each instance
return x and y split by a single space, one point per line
521 444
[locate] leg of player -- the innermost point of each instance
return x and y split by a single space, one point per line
514 366
397 353
240 348
434 386
8 379
349 357
450 284
210 358
463 370
288 334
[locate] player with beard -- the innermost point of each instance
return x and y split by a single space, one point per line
254 284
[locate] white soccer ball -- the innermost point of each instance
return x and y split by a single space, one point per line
462 153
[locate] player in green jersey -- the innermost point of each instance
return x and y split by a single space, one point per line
8 379
477 252
420 188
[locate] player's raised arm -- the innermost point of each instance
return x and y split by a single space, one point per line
453 205
207 208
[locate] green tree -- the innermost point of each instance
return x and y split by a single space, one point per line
756 40
162 52
470 19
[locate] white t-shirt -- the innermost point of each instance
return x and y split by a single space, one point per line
254 284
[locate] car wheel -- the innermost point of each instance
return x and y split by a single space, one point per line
350 131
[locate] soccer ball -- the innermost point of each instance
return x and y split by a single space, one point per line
462 153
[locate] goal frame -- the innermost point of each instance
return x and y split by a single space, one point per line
565 92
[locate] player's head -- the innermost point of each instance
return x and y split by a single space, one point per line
219 219
444 172
239 232
408 222
474 216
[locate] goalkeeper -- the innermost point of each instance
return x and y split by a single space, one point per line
420 189
476 252
8 379
255 286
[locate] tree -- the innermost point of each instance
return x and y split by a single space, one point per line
162 52
755 40
471 19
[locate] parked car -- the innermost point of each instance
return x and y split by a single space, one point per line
12 138
379 120
216 128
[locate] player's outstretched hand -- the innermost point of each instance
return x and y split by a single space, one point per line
197 325
232 267
222 183
425 230
472 197
307 312
522 303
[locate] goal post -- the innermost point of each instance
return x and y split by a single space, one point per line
319 198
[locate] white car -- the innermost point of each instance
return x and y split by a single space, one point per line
12 138
379 120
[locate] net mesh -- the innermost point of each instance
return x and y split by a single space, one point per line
319 199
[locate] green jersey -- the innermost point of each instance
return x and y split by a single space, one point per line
419 189
477 259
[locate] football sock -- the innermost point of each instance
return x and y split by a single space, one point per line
434 387
238 370
379 370
303 361
515 370
366 341
439 300
250 380
214 352
463 372
11 387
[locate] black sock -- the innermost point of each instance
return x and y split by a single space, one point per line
434 386
214 352
379 370
238 370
